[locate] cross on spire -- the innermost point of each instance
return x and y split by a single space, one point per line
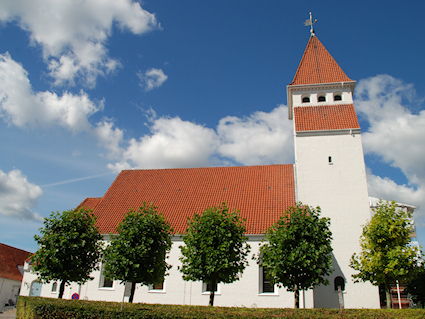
310 22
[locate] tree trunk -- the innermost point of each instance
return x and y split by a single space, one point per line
133 288
212 292
388 293
297 297
61 289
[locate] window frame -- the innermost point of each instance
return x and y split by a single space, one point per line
103 280
55 286
337 94
206 291
155 289
262 282
305 96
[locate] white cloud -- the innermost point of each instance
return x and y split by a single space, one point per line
109 137
386 188
172 143
396 134
153 78
73 34
20 106
17 195
262 138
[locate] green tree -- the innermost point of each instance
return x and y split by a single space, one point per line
386 255
416 288
215 248
137 254
70 248
297 250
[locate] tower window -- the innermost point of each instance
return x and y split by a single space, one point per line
306 99
337 97
330 159
322 98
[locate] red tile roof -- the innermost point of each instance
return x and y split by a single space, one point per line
90 203
318 66
261 193
10 259
325 117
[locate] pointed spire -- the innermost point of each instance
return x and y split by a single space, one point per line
318 66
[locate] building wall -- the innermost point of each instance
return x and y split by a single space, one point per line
243 293
339 187
9 289
329 92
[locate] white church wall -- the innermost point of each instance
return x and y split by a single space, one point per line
245 292
331 174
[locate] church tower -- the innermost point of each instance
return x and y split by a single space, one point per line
330 169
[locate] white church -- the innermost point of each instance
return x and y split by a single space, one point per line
329 172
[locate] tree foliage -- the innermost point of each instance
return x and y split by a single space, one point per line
215 247
297 251
137 254
416 288
386 255
70 247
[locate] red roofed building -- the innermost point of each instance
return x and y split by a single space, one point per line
329 172
11 272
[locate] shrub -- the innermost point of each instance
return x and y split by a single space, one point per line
45 308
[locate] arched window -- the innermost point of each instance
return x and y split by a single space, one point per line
322 98
339 282
337 97
306 99
55 287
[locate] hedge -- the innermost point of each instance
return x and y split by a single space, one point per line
46 308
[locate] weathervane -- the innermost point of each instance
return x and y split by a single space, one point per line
310 22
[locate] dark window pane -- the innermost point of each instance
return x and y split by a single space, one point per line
210 287
267 286
339 281
108 283
159 286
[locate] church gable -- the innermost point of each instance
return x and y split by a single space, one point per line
261 193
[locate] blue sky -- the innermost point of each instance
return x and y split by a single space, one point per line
91 87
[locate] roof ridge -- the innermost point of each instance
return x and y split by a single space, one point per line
194 168
25 251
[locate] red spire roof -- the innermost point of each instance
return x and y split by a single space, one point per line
318 66
260 193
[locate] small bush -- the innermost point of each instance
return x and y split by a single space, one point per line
45 308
